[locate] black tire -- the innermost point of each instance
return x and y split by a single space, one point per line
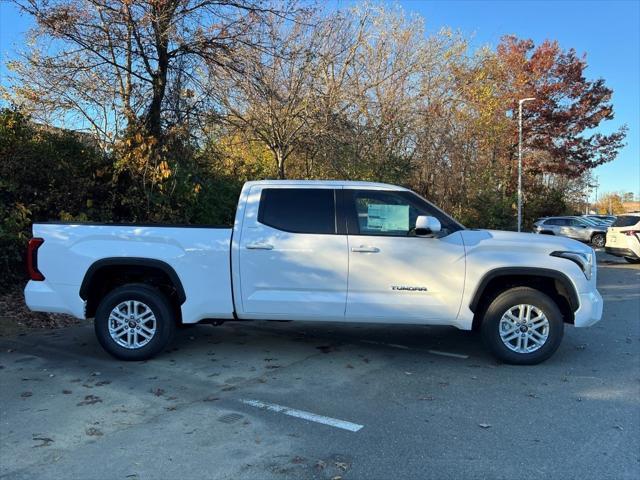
155 301
632 260
509 299
598 240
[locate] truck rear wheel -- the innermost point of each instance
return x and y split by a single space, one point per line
523 326
134 322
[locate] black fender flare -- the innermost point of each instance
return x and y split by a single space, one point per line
132 261
560 277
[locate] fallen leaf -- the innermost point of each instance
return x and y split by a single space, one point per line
342 466
93 432
326 348
26 394
158 392
45 441
90 400
484 425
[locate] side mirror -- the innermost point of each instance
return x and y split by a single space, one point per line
426 225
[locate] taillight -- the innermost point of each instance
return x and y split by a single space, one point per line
631 233
32 259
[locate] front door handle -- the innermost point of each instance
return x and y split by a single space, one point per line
259 246
364 249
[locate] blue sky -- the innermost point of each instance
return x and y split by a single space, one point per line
607 31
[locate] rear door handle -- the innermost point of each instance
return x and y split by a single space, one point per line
364 249
259 246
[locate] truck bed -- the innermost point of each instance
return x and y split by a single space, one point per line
199 255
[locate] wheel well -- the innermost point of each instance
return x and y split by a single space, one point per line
105 275
554 287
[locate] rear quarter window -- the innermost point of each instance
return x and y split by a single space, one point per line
626 221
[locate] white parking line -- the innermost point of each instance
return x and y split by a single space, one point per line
447 354
393 345
404 347
292 412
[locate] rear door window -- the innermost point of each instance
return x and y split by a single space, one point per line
298 210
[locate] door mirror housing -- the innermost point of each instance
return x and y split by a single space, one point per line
427 225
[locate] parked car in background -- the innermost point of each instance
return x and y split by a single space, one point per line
577 228
623 237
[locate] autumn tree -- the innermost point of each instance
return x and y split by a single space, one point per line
111 64
610 203
367 95
268 99
568 106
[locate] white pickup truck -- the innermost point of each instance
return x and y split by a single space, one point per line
319 251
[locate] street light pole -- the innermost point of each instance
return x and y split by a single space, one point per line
520 102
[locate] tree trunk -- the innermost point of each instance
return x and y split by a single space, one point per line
279 156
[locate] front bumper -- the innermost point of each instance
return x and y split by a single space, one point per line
590 310
621 252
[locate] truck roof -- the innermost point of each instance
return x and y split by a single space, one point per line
329 183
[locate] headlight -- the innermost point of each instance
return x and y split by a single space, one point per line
584 260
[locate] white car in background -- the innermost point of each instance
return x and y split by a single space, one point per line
623 237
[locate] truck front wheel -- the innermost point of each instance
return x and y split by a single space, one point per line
134 322
523 326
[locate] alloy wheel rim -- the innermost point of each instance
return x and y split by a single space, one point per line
132 324
524 328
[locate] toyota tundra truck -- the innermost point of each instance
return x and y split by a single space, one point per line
322 251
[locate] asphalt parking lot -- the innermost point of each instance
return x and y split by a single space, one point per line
309 400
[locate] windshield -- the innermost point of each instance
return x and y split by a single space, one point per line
447 221
591 221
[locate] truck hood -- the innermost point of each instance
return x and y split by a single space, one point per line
498 239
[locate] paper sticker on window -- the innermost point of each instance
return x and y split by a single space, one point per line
386 218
